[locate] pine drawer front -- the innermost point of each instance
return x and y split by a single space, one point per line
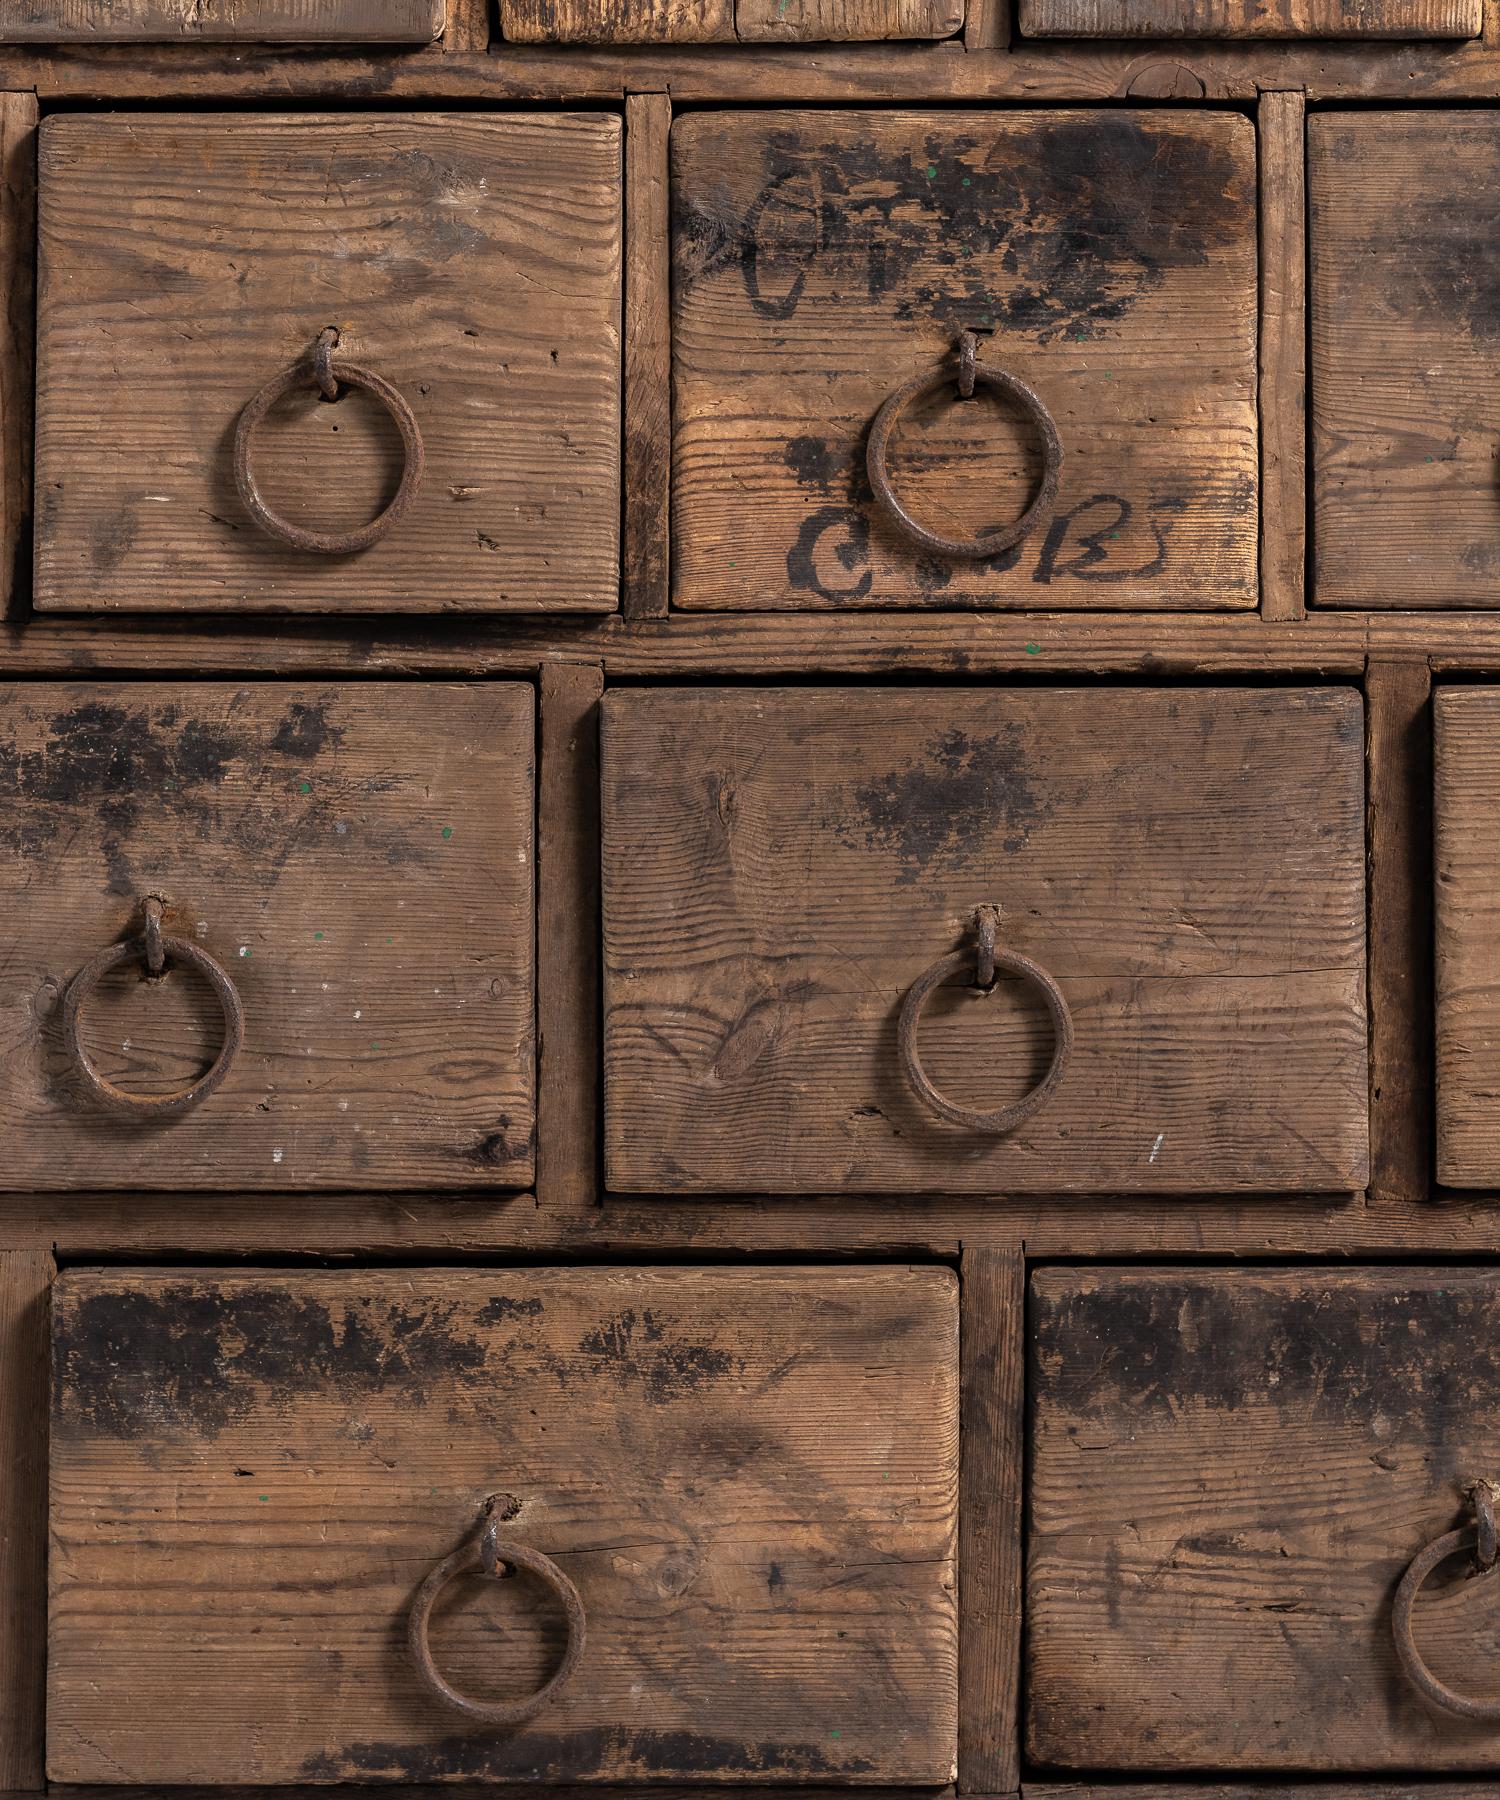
726 21
781 867
346 869
236 21
1232 1472
1405 337
190 266
1105 260
748 1477
1253 18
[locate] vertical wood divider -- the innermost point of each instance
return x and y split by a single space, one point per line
1281 120
25 1280
467 26
645 550
18 123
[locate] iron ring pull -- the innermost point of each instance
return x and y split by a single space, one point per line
985 960
322 372
155 951
969 372
1479 1538
486 1553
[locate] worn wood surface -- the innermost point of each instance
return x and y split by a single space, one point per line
645 592
1230 1471
992 1459
252 21
359 860
25 1278
617 21
1280 122
822 260
1466 853
750 1475
1404 344
473 262
816 21
18 121
1252 18
781 866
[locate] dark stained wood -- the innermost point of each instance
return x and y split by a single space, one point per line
1252 18
1404 345
993 1310
1399 835
617 21
358 858
18 121
25 1277
253 21
822 260
751 1476
1466 847
817 21
987 24
567 1173
648 357
1296 1790
467 26
781 865
1280 122
1230 1471
473 262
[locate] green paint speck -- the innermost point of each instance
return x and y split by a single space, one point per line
1114 534
244 949
264 1496
1426 459
732 563
1033 649
932 171
304 787
966 180
1109 374
317 937
835 1734
390 940
374 1046
447 832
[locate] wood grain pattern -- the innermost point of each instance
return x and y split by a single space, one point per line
18 122
993 1300
618 21
1466 854
645 590
1230 1471
254 21
1280 124
780 866
817 21
357 857
1404 349
750 1475
822 259
1252 18
25 1278
186 260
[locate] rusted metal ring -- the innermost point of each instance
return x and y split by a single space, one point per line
1438 1693
345 374
1004 1118
988 543
484 1554
172 949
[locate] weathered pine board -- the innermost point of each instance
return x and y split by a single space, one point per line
1253 18
357 857
1281 127
618 21
1405 334
812 21
781 866
821 259
262 21
1230 1471
750 1475
187 259
1466 852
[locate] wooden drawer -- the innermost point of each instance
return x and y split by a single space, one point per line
263 21
1253 18
1231 1471
824 259
1184 867
354 863
748 1476
191 265
726 21
1405 352
1466 833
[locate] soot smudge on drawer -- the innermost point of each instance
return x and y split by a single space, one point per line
637 1349
194 1359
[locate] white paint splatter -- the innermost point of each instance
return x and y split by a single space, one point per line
276 1155
1156 1146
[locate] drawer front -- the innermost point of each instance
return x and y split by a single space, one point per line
1106 260
1405 334
263 21
345 871
726 21
1232 1470
748 1477
1184 867
470 268
1466 845
1253 18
